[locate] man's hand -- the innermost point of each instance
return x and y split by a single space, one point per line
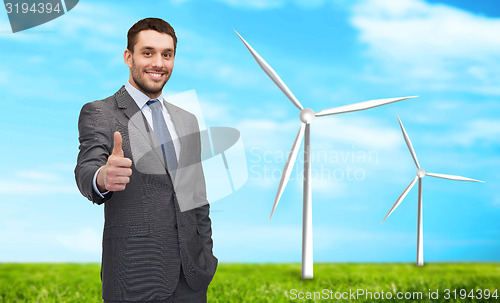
115 175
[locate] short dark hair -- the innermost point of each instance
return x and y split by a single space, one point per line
155 24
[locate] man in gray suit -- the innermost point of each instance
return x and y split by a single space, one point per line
140 156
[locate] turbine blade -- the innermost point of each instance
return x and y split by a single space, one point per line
453 177
400 199
359 106
289 166
408 143
272 74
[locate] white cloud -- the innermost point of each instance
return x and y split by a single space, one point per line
84 28
414 29
216 109
37 175
440 45
268 134
177 2
85 21
50 179
273 4
344 150
6 34
24 241
496 202
238 245
5 28
3 77
255 4
85 239
82 21
28 187
336 238
364 133
283 243
226 73
310 3
478 131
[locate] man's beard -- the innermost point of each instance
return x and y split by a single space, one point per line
143 85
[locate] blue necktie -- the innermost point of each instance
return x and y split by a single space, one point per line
163 135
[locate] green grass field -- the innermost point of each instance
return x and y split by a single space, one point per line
274 282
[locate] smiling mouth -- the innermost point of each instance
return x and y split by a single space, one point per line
155 75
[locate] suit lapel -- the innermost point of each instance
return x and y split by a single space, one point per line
137 120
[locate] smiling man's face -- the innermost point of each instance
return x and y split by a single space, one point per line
151 63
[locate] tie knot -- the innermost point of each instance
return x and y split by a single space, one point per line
153 103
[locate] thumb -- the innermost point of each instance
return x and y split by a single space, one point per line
117 148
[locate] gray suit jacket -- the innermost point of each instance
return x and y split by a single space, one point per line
155 225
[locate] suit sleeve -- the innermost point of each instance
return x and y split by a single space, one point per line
95 138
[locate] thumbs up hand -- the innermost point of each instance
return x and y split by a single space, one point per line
115 175
117 146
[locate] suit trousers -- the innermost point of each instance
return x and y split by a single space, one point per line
182 294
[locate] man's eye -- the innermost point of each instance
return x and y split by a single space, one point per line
167 55
147 54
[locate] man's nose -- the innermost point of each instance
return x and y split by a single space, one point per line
157 61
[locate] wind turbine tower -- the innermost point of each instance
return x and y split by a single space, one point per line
420 174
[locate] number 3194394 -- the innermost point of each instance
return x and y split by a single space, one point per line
35 8
473 293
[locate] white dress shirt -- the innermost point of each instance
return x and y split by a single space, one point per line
141 99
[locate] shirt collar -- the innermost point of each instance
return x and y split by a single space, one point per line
139 97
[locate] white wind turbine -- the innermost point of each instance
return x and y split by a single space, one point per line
307 116
420 174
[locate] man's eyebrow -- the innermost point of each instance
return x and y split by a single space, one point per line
153 48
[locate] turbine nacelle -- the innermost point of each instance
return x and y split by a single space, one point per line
420 173
306 115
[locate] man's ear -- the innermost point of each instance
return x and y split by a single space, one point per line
127 57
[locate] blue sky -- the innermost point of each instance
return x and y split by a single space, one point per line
329 53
